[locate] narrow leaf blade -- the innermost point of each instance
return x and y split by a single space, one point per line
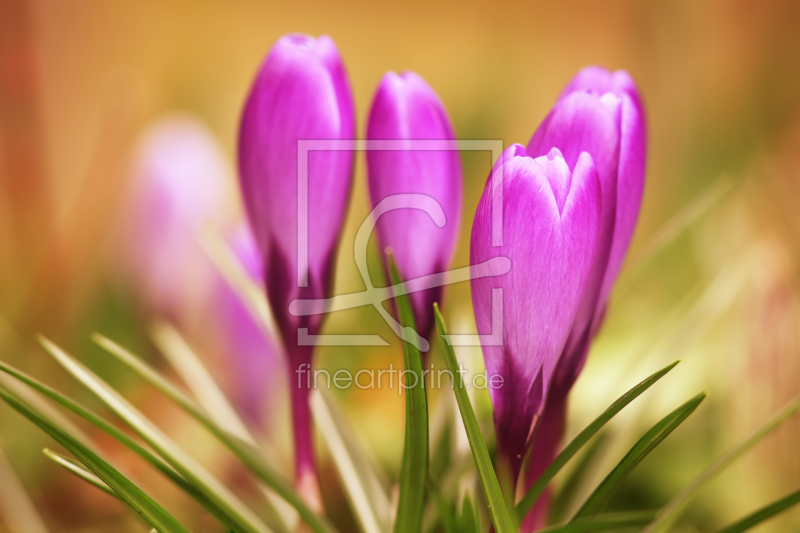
605 522
527 502
151 511
598 500
763 514
670 513
367 497
414 468
120 436
190 469
246 453
183 358
567 493
79 471
491 487
443 508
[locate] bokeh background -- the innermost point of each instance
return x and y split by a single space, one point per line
711 278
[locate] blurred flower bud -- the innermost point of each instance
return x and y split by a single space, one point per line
250 353
178 186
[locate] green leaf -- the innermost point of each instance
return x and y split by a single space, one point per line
670 513
246 453
468 519
765 513
443 508
128 492
214 402
362 486
603 493
122 438
414 468
527 502
604 522
491 487
191 470
567 493
441 422
79 471
187 364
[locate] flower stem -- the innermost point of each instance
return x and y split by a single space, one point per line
305 468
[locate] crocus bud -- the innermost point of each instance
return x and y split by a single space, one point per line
601 113
405 108
600 80
551 214
178 186
301 93
249 352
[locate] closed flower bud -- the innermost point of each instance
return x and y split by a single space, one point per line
601 113
551 214
301 93
405 108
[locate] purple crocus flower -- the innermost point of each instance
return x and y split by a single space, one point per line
601 113
406 108
610 127
602 81
301 93
551 215
178 186
247 347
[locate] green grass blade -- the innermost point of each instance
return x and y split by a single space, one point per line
443 508
87 415
24 393
468 519
122 438
363 488
79 471
211 399
763 514
215 403
672 511
443 438
151 511
603 493
414 468
491 487
605 522
190 469
566 495
527 502
246 452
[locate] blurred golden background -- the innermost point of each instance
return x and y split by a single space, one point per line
711 278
